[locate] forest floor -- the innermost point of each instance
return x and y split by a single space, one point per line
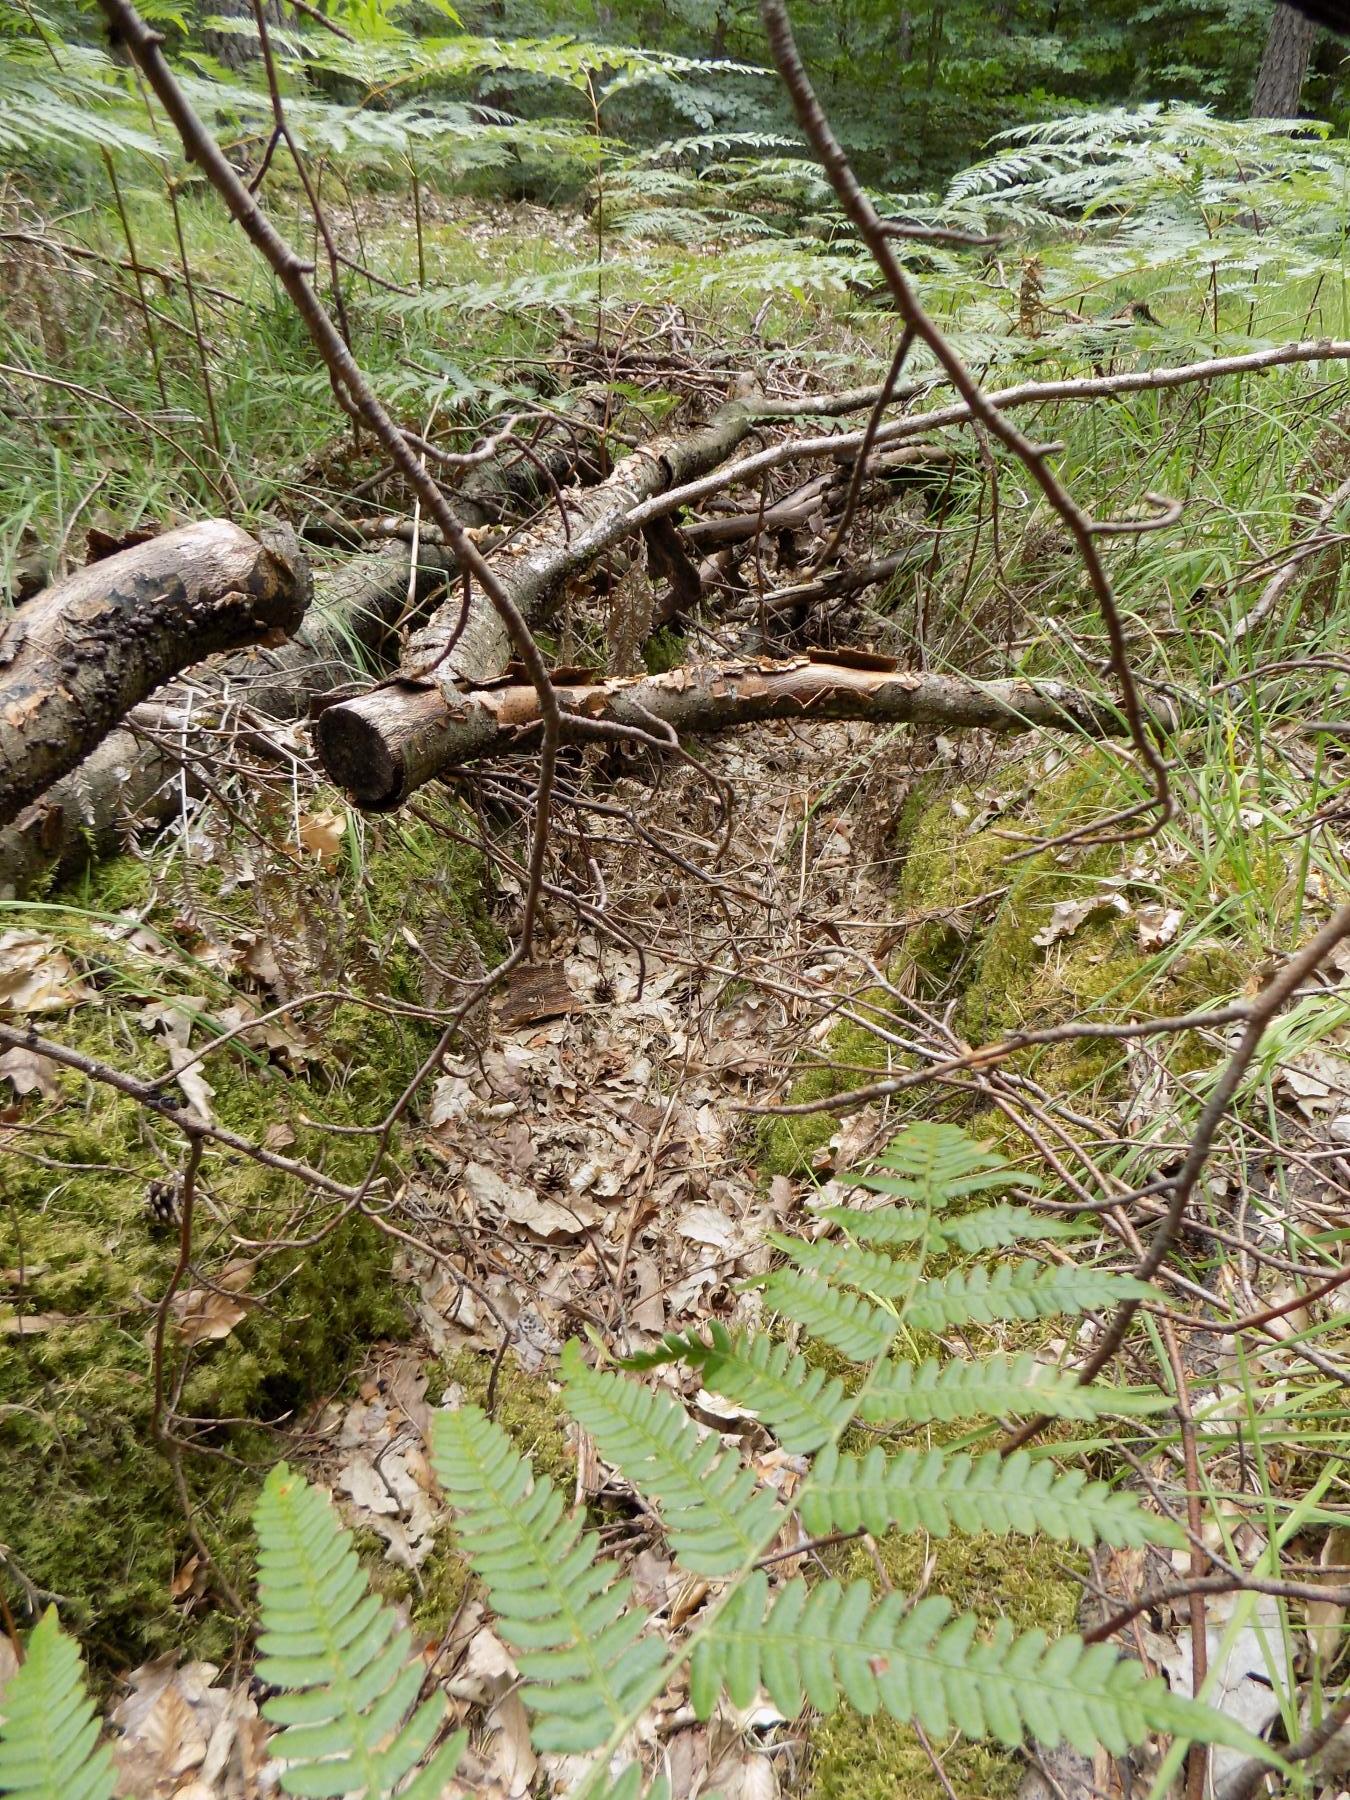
592 1160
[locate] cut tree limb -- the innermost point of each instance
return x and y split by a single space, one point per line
131 778
74 660
491 721
385 744
358 612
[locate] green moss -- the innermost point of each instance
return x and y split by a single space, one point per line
788 1145
664 651
526 1407
857 1758
87 1505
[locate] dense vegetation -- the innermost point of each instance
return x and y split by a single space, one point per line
302 1168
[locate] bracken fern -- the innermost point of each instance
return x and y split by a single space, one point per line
592 1658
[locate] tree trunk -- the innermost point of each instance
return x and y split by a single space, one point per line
78 657
1284 64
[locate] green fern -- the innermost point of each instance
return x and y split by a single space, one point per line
714 1514
917 1393
809 1643
992 1228
48 1738
351 1723
803 1407
349 1710
565 1614
938 1492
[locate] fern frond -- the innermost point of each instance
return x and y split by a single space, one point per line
847 1322
715 1513
1017 1290
811 1643
937 1492
47 1741
801 1406
564 1612
914 1393
991 1228
931 1165
351 1723
871 1270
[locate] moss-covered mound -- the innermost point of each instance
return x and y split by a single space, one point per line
283 1291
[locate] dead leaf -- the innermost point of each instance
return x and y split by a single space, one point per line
30 1073
1067 916
36 976
32 1324
321 833
523 1206
1326 1620
205 1315
1318 1079
1157 926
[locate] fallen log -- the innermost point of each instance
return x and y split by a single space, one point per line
383 745
493 721
74 660
131 780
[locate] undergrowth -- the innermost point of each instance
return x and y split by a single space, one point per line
590 1662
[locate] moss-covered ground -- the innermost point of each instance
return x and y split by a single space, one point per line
975 902
87 1504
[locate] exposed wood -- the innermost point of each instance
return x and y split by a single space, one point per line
383 745
74 660
490 721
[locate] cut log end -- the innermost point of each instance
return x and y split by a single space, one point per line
359 758
380 747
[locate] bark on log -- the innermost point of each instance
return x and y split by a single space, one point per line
129 779
78 657
492 721
358 608
383 745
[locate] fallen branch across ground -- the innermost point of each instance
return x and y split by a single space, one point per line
74 660
492 721
383 745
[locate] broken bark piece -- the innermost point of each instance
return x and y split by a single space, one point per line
74 660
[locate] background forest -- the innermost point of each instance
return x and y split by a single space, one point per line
674 1081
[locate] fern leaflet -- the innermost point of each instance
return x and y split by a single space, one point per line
991 1228
351 1723
47 1740
810 1643
847 1322
932 1165
715 1514
936 1492
915 1393
803 1407
1017 1290
566 1614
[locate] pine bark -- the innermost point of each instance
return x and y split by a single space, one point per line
1284 64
